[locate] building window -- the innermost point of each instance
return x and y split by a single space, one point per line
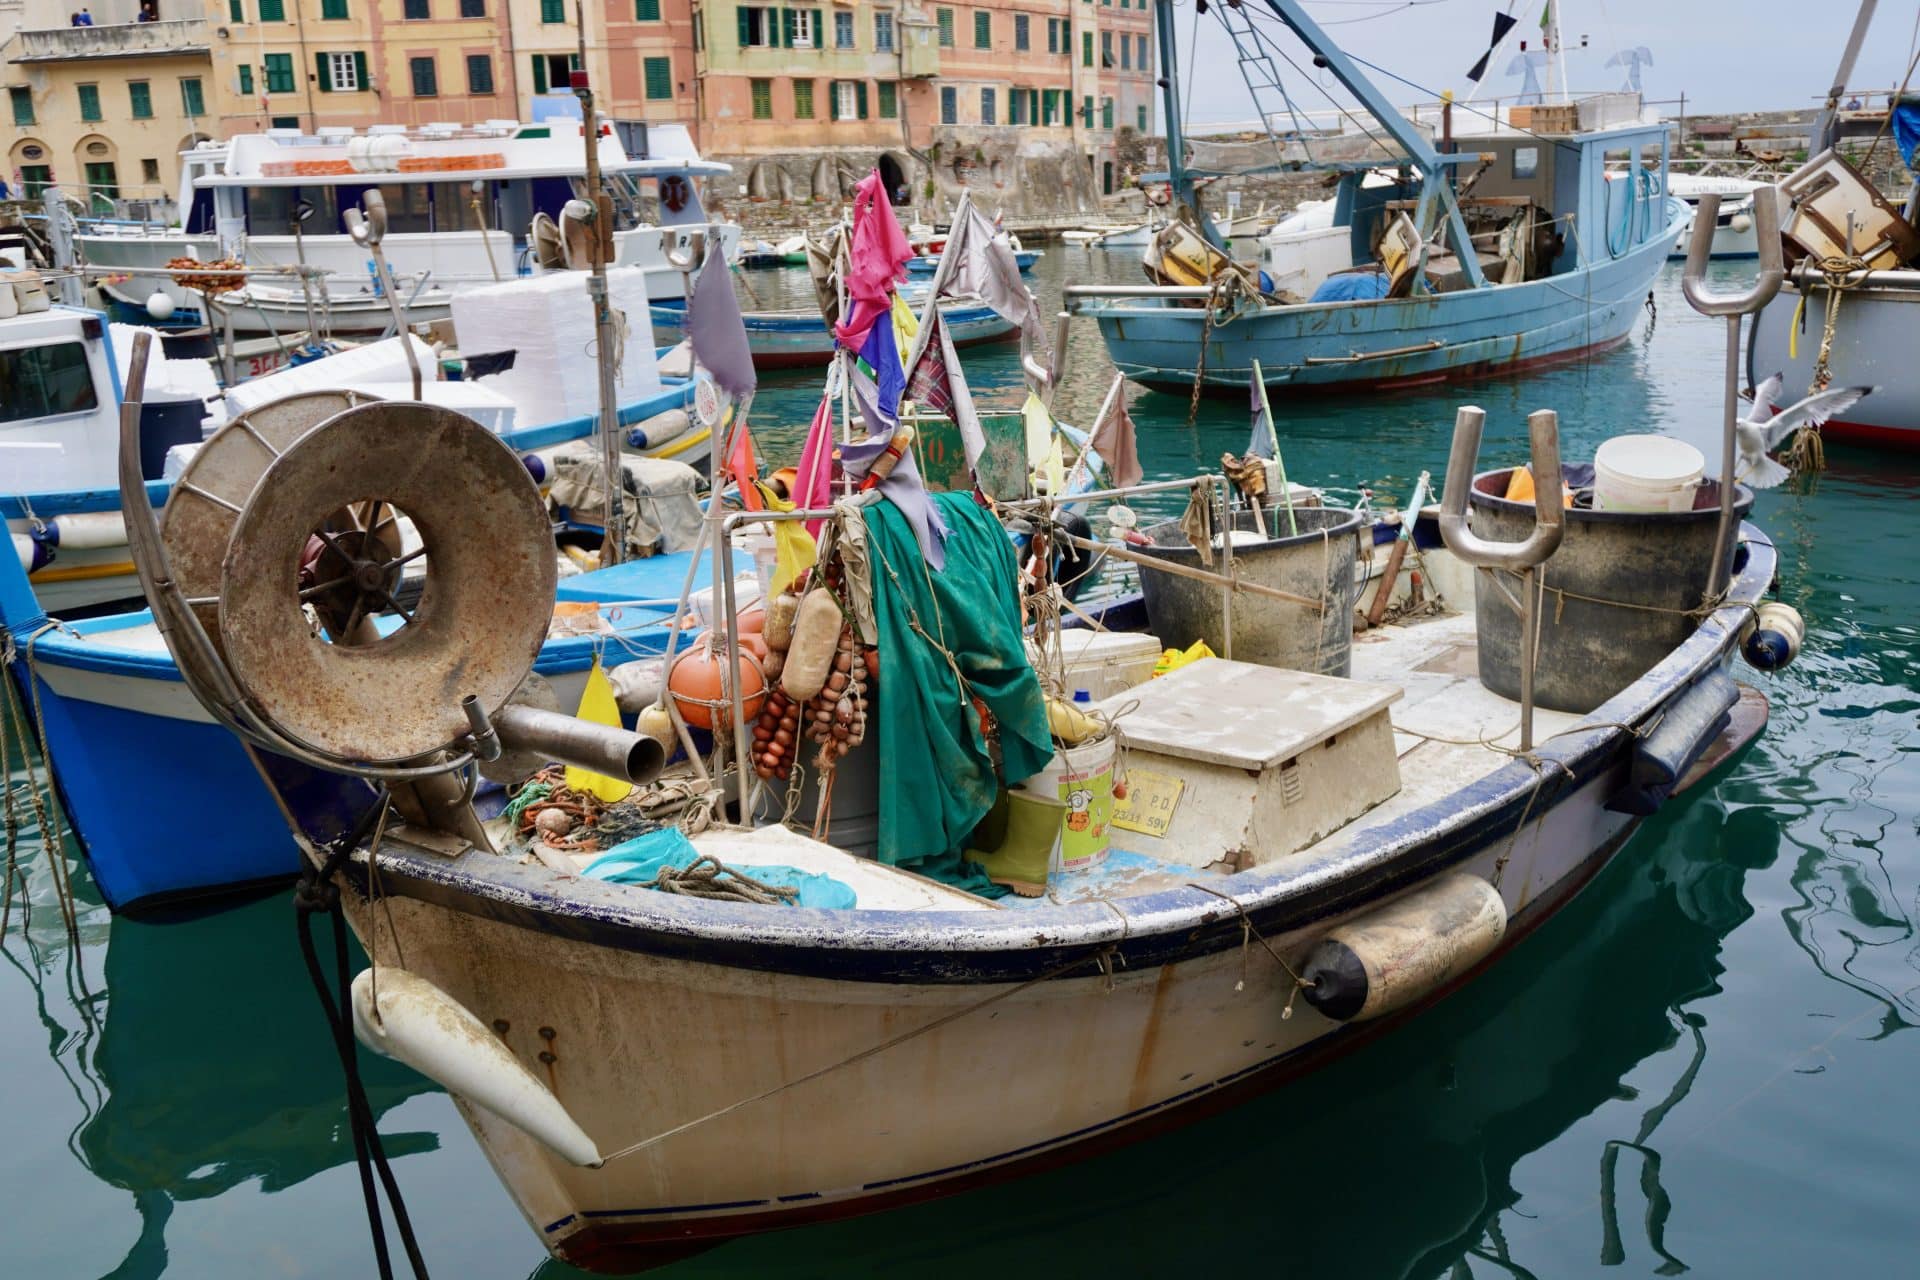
553 10
149 171
757 27
1140 58
34 180
1016 106
949 105
1106 113
554 70
1086 48
889 101
103 181
22 104
987 113
1022 40
849 99
802 34
273 11
479 74
236 10
426 80
1126 62
843 30
659 73
883 33
982 29
1140 118
1086 111
762 99
412 10
946 27
474 9
1053 35
646 10
246 80
283 122
279 69
141 98
803 99
342 72
89 102
331 10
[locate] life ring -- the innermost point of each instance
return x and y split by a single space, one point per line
675 192
1159 195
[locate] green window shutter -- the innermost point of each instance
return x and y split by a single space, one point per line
1106 113
539 73
360 76
786 28
246 79
819 32
1140 114
833 99
140 98
982 29
889 102
1086 111
273 11
1086 48
89 102
744 16
236 10
333 8
553 10
646 10
659 75
321 76
860 98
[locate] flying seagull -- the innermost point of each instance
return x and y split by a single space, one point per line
1759 435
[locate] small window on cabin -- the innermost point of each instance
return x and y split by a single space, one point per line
39 382
1526 163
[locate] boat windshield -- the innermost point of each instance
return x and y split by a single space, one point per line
40 382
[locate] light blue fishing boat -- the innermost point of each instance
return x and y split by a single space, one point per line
1495 250
926 264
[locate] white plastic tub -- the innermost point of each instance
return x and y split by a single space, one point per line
1646 473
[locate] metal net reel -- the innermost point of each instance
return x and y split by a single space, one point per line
378 682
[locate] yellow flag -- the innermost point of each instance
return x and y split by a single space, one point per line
906 326
794 550
597 706
1044 460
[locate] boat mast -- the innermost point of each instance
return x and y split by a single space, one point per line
1387 116
1179 180
613 544
1822 136
1556 53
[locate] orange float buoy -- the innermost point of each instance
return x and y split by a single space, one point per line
698 682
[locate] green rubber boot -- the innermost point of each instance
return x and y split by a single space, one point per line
1027 826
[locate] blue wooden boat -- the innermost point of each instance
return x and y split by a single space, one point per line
1578 253
926 264
800 340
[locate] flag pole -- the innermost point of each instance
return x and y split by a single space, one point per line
1273 434
1080 463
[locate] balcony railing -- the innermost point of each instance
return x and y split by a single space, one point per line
184 36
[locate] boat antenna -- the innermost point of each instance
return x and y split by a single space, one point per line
1822 136
613 546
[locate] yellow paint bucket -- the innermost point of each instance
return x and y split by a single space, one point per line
1082 777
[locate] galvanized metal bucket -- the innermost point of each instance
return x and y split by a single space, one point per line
1316 563
1621 592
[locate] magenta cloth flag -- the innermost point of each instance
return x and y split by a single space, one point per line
718 334
813 483
876 261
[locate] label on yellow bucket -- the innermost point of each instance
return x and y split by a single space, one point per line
1150 803
1084 779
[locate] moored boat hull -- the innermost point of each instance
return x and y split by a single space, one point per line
1344 346
1873 345
782 340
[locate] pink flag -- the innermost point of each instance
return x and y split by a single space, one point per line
876 261
813 486
1113 440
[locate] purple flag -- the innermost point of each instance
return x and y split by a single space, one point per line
718 334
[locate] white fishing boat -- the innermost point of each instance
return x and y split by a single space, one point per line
1222 876
1733 225
464 206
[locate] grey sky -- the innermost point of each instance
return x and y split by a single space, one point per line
1726 55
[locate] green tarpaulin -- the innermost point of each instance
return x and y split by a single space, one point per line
936 779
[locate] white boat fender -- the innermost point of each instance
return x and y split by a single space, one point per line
1773 636
33 554
421 1025
1404 951
84 531
657 430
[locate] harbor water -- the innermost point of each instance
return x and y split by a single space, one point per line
1706 1063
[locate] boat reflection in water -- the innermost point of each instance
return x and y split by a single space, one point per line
188 1097
1399 1160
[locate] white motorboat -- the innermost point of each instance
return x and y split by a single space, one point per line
1733 228
462 203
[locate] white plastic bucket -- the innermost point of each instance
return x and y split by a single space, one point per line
1646 473
1082 778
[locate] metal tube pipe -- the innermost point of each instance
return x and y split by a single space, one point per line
599 748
